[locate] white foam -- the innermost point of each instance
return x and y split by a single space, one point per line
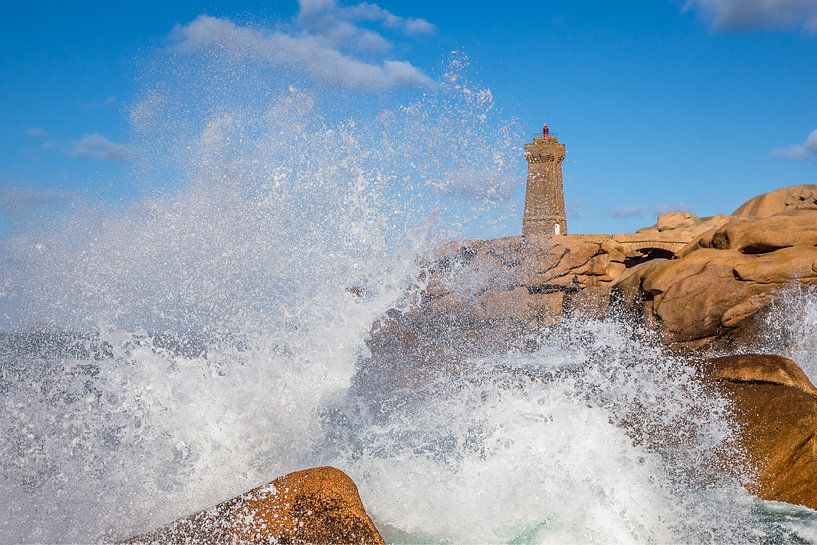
270 238
488 457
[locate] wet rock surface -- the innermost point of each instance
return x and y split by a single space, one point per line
315 506
775 405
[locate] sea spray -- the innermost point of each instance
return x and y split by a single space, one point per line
790 327
552 446
163 355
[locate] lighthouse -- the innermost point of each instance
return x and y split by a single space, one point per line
544 193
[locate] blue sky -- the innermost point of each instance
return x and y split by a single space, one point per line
662 104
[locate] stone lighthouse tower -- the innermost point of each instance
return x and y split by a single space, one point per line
544 194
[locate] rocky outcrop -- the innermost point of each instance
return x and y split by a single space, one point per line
724 277
685 224
516 283
775 406
695 280
314 506
795 197
512 279
760 235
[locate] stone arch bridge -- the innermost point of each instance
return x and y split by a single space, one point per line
644 242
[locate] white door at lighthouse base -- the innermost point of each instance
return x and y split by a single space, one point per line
557 229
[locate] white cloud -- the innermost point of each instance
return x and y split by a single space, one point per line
107 102
315 14
36 132
96 146
739 14
318 48
311 7
371 41
374 13
801 152
418 26
627 212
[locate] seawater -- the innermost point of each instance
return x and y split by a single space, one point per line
160 356
539 440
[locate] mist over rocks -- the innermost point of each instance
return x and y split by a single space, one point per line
480 298
692 280
696 285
